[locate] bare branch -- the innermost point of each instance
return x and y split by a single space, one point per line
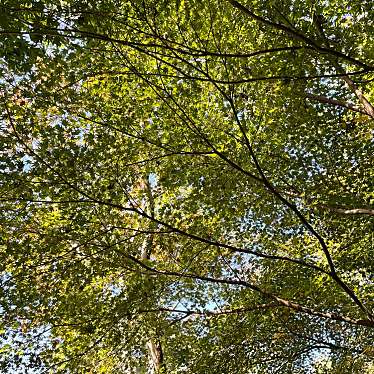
344 104
347 211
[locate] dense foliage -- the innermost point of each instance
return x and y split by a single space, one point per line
187 186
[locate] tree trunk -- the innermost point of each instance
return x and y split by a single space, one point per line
156 358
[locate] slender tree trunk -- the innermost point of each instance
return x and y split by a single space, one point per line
369 109
156 357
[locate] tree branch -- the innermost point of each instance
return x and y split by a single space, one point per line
297 35
344 104
287 303
348 211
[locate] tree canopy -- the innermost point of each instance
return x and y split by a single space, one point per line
187 186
